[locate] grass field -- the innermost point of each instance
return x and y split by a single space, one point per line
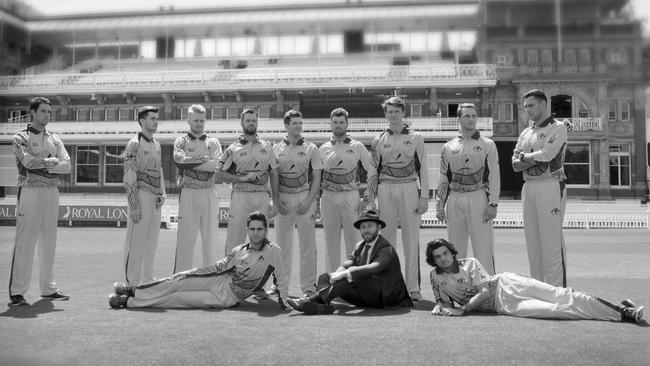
613 264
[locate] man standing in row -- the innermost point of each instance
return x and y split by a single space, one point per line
469 188
41 158
401 183
539 154
343 160
246 157
299 173
145 189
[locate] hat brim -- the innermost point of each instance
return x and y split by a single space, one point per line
379 222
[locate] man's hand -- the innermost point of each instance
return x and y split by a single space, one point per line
336 276
282 208
136 215
443 310
423 206
51 162
210 165
160 200
490 213
303 206
180 275
440 214
249 177
273 210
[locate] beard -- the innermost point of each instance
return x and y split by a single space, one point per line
339 133
369 237
250 130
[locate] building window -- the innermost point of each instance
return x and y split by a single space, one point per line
83 115
264 112
126 114
97 114
232 112
570 56
547 57
416 110
502 60
183 113
625 111
583 111
87 164
452 110
495 112
577 164
110 114
619 165
531 57
611 114
508 112
217 113
584 56
615 58
114 165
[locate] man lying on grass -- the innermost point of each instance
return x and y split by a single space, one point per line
466 283
224 284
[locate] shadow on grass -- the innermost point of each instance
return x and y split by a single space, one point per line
41 306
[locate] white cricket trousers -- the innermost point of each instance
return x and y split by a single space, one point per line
339 210
465 221
190 292
530 298
141 242
243 204
543 217
37 216
398 201
284 233
198 211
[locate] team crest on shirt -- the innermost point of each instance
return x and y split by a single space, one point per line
407 142
302 153
191 149
243 153
261 259
386 146
477 148
263 151
349 151
146 153
555 211
34 143
542 136
551 139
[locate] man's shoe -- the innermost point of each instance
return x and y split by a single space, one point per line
415 295
297 304
309 293
117 301
313 308
56 296
628 303
260 294
632 314
17 300
272 292
123 289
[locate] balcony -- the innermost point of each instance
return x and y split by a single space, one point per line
228 130
582 124
425 75
567 71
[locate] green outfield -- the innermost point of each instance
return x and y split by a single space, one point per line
614 264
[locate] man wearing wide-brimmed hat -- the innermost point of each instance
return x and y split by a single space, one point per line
370 277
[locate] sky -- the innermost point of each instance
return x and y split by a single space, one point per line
62 7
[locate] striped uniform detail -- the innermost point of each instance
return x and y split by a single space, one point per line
403 172
294 182
340 178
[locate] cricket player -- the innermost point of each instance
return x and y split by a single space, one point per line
145 189
299 170
197 156
539 154
223 284
344 159
469 188
400 181
249 154
466 283
41 158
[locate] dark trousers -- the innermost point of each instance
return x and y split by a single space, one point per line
362 293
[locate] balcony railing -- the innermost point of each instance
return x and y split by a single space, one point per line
349 76
582 124
568 70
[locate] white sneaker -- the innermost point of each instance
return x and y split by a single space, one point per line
415 295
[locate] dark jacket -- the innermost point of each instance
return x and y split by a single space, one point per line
384 267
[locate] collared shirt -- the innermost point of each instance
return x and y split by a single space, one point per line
400 158
189 153
295 163
146 155
31 147
368 248
467 165
547 142
462 286
243 157
342 164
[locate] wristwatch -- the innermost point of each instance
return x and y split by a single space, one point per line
493 204
464 309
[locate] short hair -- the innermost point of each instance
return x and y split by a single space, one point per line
435 244
537 94
36 102
196 108
465 105
143 111
338 112
257 216
292 113
395 102
245 112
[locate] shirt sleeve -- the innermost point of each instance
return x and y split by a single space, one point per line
440 295
61 152
519 146
424 171
553 145
477 273
273 160
225 161
316 162
494 177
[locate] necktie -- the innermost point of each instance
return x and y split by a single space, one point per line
364 255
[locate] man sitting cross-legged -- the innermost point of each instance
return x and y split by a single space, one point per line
370 277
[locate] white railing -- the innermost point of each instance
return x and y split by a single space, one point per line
275 125
582 124
357 76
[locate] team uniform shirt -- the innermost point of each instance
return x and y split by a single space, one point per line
295 163
399 158
31 147
248 268
190 152
343 162
146 154
548 143
462 286
467 165
244 157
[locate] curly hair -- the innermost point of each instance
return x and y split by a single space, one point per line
435 244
